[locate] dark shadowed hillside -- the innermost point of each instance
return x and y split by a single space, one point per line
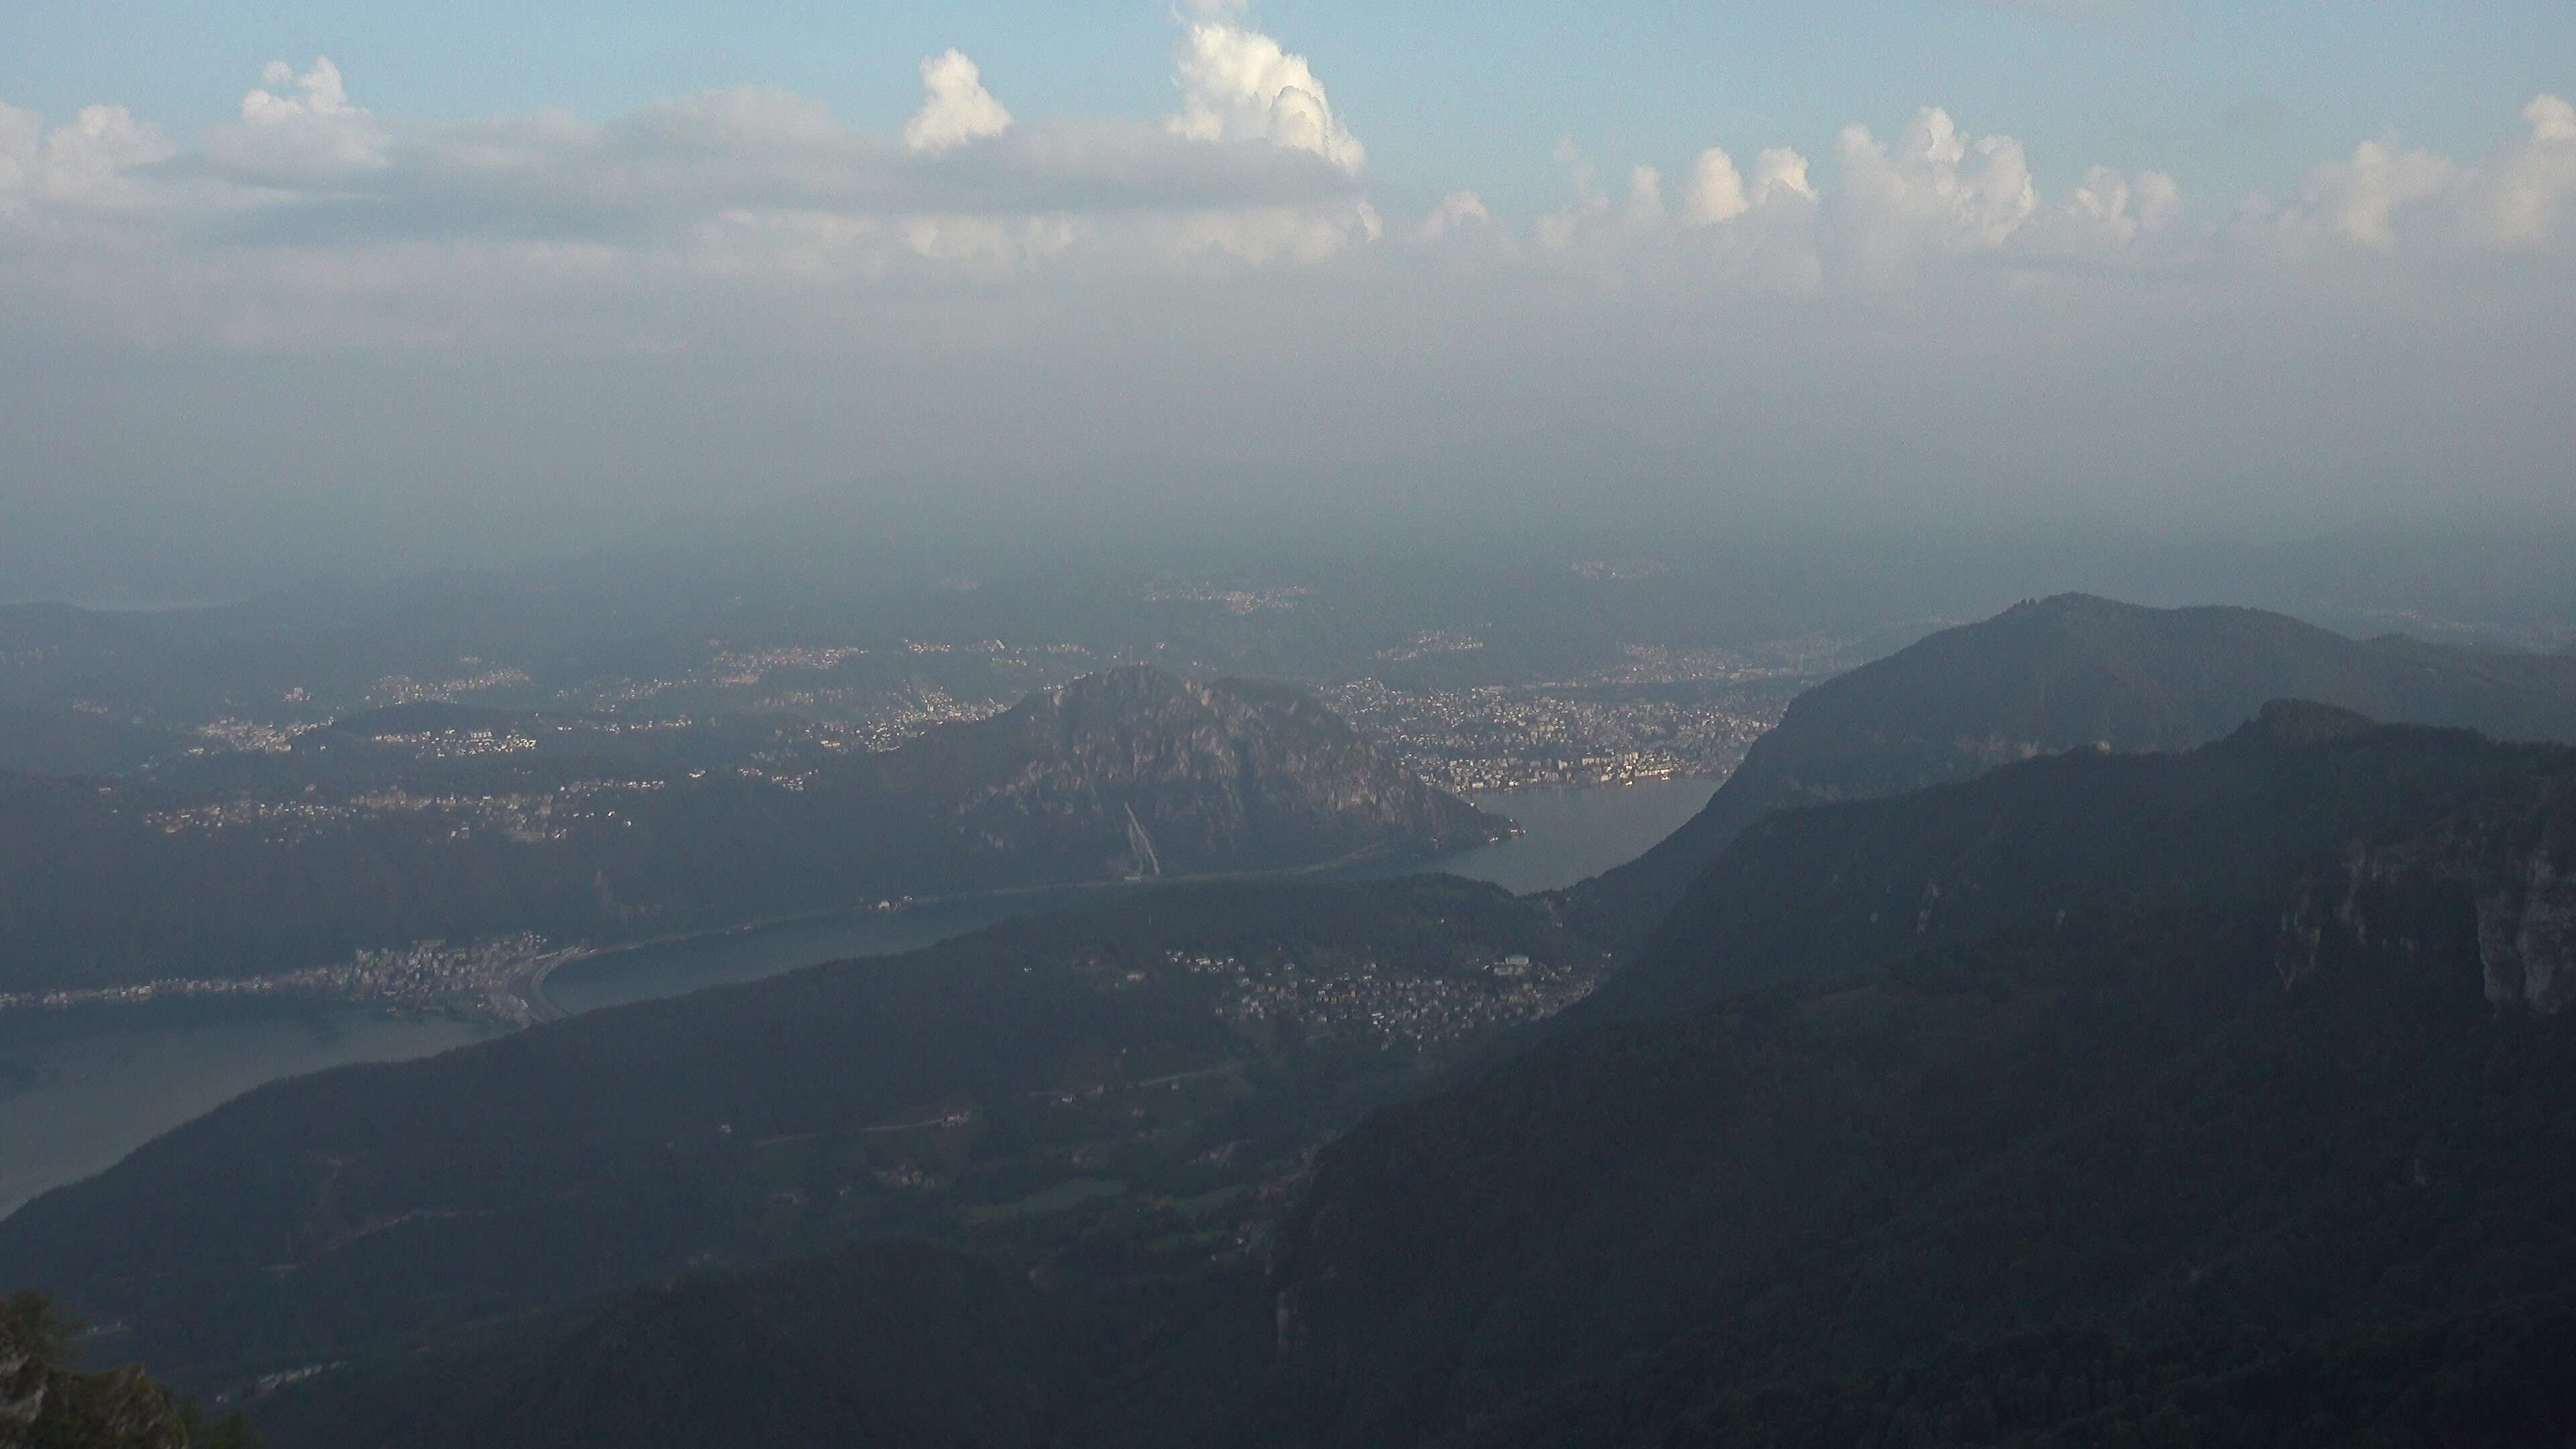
1147 1072
47 738
890 1343
2250 1062
2106 1100
2068 671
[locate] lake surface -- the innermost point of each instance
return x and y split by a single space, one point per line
1570 835
80 1090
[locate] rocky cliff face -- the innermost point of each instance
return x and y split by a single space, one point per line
2343 836
2520 903
2501 870
43 1403
2527 924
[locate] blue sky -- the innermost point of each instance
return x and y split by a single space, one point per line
495 272
2229 98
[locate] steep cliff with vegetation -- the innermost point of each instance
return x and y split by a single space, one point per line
48 1402
2195 1084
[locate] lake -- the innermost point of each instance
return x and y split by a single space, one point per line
1570 834
79 1090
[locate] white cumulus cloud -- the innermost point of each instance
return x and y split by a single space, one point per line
1716 190
1239 84
2535 178
2361 197
83 164
1457 212
955 107
2110 207
2403 201
1936 183
1780 172
302 127
1719 193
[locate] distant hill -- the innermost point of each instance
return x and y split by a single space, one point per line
1136 771
1058 1079
1133 773
894 1342
44 738
2206 1091
2058 673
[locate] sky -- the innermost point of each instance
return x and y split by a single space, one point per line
325 288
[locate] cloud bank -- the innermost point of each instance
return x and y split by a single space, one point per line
310 212
1911 299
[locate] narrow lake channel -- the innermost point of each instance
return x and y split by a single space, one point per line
79 1090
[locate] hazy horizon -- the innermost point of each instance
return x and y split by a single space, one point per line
346 295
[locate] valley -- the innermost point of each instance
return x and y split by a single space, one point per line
88 1086
1258 1130
1288 726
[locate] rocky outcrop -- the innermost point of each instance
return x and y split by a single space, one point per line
2527 936
2508 875
44 1403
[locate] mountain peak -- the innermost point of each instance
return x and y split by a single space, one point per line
2075 603
1176 774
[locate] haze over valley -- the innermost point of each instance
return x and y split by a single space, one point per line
1287 724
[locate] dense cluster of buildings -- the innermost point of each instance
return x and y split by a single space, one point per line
525 817
1474 741
403 689
257 737
497 978
1390 1008
458 744
1233 600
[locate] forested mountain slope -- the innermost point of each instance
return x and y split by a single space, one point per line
2169 1072
2073 670
1150 1069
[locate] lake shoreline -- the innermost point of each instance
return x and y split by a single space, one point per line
82 1087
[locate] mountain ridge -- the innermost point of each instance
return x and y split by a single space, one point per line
2072 670
2206 1044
